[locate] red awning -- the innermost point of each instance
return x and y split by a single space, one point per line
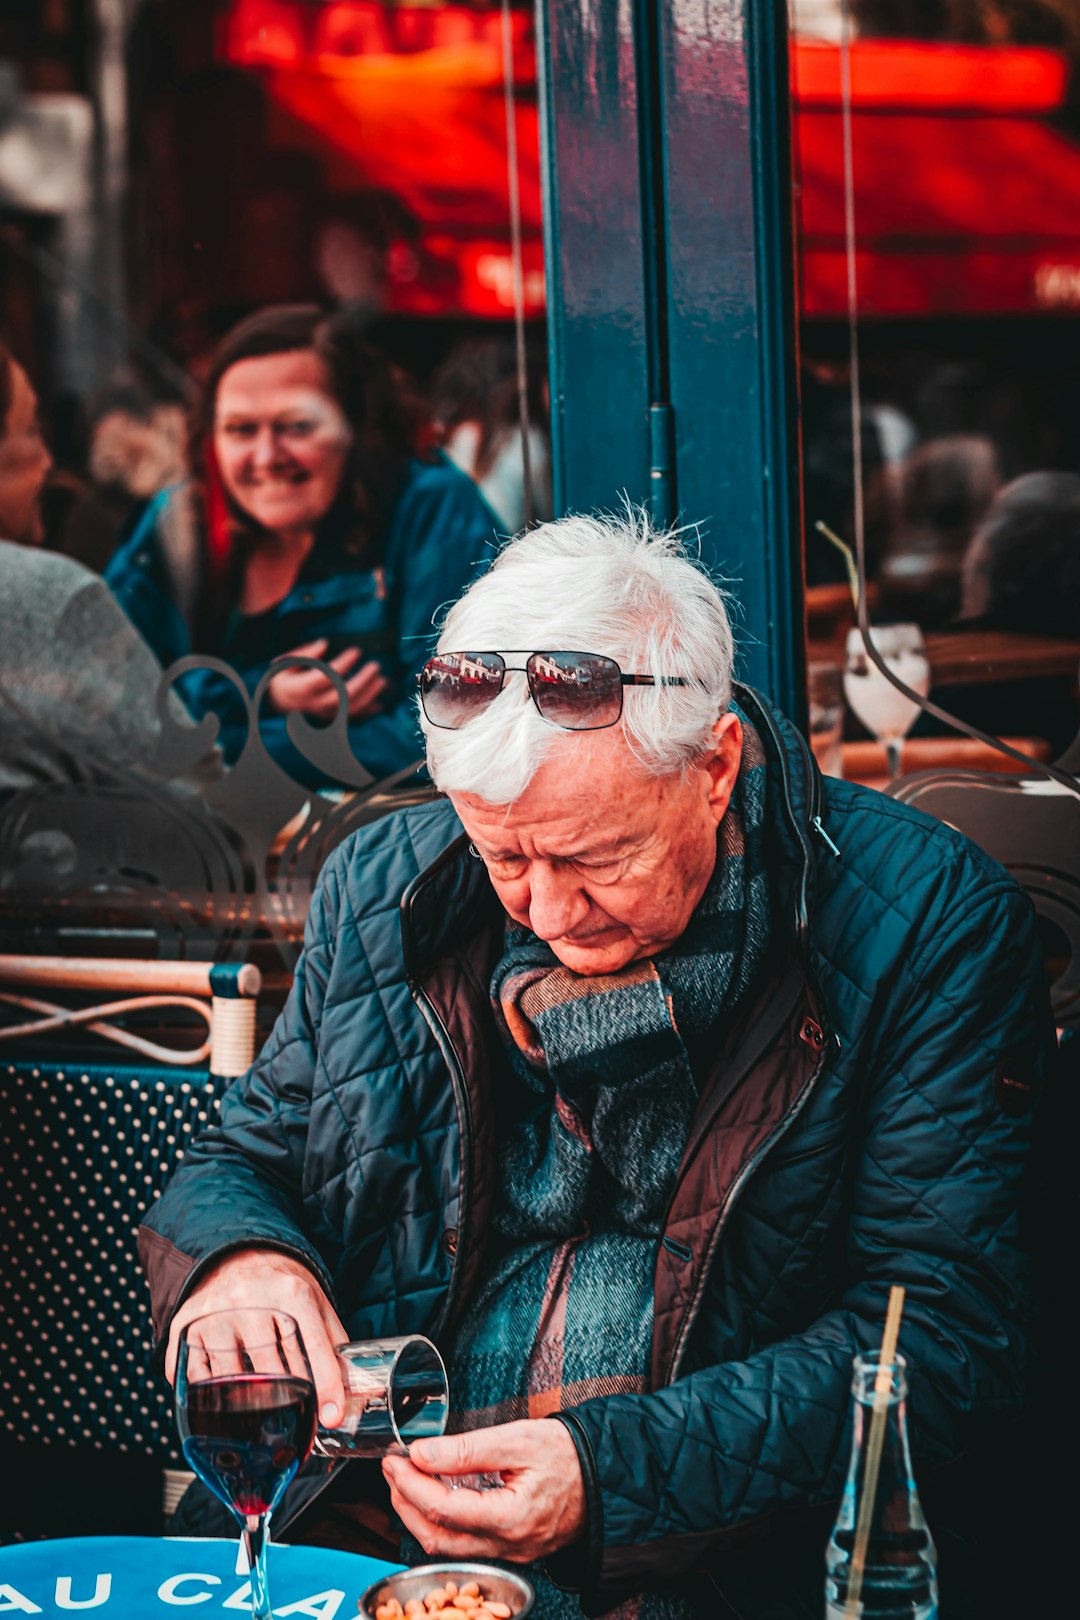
967 199
967 194
412 100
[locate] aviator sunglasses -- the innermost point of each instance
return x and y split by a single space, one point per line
578 691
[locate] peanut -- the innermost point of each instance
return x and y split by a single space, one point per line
447 1602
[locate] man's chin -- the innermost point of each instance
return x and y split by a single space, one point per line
589 959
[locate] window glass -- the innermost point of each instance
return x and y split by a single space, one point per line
937 164
362 179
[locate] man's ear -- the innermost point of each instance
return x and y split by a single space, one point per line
722 765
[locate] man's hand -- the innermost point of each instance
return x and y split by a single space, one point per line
540 1508
314 694
270 1281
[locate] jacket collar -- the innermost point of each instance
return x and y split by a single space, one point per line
794 808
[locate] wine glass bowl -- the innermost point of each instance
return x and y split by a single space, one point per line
245 1413
885 711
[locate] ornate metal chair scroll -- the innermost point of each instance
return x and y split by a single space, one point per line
202 859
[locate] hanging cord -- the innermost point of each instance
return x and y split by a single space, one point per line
57 1017
854 379
517 255
855 385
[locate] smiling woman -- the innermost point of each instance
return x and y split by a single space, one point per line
281 441
311 529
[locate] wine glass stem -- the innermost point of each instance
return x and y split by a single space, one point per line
893 750
256 1533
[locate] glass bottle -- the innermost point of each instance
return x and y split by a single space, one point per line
899 1575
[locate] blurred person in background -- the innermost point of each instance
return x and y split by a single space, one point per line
828 473
476 412
1021 574
136 447
137 443
309 527
1022 569
943 489
78 685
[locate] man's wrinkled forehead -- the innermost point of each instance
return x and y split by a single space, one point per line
591 789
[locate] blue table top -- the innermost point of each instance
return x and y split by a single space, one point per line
143 1578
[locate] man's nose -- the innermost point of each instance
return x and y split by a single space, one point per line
556 901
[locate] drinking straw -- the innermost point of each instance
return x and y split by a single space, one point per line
878 1414
846 552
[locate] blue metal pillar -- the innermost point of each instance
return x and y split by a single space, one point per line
598 364
667 156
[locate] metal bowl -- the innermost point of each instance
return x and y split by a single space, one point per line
501 1585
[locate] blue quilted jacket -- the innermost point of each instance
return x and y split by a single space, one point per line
867 1124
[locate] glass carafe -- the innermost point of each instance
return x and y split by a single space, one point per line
899 1575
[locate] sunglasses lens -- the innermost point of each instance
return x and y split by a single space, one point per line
578 691
456 686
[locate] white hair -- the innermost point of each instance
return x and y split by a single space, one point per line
603 584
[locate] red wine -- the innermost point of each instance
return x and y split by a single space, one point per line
245 1435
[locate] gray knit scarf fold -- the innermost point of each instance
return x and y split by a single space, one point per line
595 1111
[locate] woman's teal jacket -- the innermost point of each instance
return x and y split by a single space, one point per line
441 534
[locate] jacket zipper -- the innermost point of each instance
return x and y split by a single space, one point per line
745 1172
833 849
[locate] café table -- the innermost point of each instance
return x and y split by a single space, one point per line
865 761
975 657
145 1577
972 657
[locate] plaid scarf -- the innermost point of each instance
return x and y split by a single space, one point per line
594 1119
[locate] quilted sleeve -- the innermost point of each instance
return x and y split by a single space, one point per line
239 1183
679 1476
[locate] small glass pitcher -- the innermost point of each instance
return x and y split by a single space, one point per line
395 1392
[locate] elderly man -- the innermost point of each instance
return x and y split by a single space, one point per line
634 1074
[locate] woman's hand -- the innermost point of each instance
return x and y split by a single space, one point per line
540 1508
311 692
269 1280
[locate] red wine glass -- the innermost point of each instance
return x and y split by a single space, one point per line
245 1411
